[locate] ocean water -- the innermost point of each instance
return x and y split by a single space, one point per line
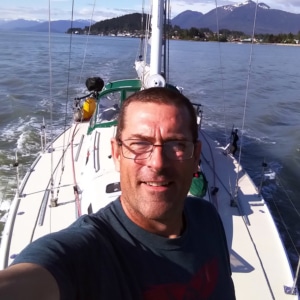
253 88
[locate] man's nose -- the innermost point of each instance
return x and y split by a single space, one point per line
157 159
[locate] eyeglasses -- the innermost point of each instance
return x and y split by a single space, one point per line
139 149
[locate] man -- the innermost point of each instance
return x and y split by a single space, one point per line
153 242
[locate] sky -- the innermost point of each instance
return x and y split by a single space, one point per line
100 10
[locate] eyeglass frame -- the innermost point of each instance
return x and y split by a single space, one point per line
123 143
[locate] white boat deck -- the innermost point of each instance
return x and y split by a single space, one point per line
259 264
30 214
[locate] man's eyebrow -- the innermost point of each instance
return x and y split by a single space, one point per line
138 136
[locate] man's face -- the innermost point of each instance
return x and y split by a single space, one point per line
155 188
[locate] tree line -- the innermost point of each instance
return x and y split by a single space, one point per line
225 35
132 24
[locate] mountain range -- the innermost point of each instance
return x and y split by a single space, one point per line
239 17
60 26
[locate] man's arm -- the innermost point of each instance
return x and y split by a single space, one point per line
27 281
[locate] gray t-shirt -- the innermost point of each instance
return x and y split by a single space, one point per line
106 256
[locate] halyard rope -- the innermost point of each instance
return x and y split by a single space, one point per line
51 102
246 94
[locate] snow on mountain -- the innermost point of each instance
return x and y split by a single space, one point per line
247 2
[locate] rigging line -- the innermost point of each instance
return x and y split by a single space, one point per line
221 73
145 37
167 41
77 200
142 19
146 31
51 102
69 68
148 25
67 95
213 167
247 92
223 93
62 161
141 51
87 40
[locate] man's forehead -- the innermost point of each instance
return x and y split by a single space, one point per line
150 116
137 105
136 111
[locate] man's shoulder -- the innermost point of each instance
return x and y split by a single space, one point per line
198 208
90 223
199 202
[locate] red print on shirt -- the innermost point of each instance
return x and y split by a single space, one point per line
201 286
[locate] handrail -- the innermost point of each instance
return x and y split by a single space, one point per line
79 148
96 152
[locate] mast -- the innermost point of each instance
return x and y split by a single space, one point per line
157 24
150 74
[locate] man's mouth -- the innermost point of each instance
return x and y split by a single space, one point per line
157 184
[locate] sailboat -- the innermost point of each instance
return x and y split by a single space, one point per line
74 174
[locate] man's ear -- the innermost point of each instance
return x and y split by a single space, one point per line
115 153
